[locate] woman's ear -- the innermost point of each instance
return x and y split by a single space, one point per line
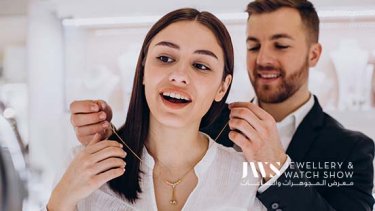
223 88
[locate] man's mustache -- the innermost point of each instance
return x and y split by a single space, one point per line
265 68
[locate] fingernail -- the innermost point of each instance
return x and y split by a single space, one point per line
102 116
105 125
121 145
94 108
103 105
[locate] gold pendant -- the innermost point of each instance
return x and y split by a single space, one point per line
173 185
173 202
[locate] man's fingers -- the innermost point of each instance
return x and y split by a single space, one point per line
79 120
247 115
239 139
88 130
106 108
102 104
84 106
259 112
243 127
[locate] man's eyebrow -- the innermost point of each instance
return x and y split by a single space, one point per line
168 44
279 36
206 52
273 37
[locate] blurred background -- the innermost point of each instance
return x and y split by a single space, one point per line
55 51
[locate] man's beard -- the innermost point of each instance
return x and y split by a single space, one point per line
289 85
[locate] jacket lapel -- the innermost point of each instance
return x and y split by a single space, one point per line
306 133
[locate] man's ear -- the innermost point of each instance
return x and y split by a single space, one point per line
314 54
223 88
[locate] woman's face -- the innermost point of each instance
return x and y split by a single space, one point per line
183 74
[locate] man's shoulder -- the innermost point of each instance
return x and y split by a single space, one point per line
334 127
333 134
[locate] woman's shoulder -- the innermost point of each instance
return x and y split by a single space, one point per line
104 199
226 155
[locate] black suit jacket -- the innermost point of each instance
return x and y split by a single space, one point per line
319 138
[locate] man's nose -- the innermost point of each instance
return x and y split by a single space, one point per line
265 57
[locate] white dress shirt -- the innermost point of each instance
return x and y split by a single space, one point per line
286 128
219 186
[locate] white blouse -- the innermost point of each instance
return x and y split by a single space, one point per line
219 186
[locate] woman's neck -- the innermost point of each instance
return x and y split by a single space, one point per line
175 147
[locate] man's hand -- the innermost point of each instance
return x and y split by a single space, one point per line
89 117
255 132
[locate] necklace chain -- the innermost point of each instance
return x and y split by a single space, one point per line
173 185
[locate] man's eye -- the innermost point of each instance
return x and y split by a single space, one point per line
165 59
200 66
281 46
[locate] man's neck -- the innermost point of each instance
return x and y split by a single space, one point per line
281 110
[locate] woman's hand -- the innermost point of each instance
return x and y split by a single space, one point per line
98 163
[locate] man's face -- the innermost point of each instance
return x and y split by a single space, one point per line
277 54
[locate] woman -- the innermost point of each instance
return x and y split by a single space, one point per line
182 80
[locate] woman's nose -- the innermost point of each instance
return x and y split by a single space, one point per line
180 75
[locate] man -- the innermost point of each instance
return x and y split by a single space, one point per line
285 126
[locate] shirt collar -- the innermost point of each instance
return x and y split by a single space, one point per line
302 111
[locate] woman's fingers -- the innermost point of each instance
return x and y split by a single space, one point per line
108 164
106 176
94 140
93 148
108 153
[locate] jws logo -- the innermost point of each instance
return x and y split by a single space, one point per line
260 169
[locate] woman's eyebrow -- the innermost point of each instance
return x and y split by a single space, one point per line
175 46
168 44
206 52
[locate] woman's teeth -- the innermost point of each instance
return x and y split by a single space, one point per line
176 96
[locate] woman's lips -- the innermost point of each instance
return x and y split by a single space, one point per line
175 98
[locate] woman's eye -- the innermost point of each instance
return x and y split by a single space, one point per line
200 66
165 59
255 48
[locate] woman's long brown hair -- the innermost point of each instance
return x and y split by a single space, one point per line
136 126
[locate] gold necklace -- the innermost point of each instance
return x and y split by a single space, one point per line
174 184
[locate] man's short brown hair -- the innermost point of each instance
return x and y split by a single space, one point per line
305 8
